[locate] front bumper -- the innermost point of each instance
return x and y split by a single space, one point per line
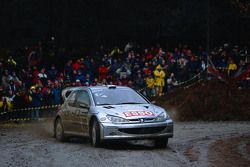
111 131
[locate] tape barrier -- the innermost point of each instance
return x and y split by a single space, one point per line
25 114
191 79
19 119
219 68
197 76
15 120
188 86
30 109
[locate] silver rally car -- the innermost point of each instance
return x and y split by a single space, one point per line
111 113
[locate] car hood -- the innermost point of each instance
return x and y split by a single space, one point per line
137 110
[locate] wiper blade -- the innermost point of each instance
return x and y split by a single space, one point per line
104 104
128 103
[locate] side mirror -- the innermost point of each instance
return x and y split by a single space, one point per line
84 105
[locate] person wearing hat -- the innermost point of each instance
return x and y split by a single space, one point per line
78 83
159 75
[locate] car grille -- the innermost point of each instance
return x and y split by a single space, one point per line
145 120
149 130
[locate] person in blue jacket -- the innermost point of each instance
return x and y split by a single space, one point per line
36 101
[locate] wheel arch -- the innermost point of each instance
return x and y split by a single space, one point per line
91 120
93 117
54 124
98 130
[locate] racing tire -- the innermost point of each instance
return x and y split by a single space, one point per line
95 134
59 131
161 142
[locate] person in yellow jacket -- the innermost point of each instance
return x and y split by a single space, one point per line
11 61
150 82
232 67
159 79
5 105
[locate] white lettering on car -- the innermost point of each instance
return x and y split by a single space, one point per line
138 113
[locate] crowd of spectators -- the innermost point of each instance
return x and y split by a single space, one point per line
152 71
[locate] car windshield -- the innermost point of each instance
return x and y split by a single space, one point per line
117 97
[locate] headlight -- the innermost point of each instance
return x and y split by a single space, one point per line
115 119
162 117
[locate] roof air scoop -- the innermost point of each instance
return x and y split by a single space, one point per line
111 86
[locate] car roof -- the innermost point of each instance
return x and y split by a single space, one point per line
99 87
108 87
103 87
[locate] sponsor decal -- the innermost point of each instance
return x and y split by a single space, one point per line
138 113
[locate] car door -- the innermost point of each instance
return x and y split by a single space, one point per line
70 124
82 112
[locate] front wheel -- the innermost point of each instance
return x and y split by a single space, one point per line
59 131
95 134
161 142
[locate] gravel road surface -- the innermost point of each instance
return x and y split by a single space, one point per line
194 144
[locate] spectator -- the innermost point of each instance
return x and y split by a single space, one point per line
52 73
36 101
93 67
103 72
80 77
139 83
88 80
20 100
123 72
43 76
47 96
148 55
61 78
104 82
10 96
12 87
78 83
171 81
146 69
203 66
56 92
247 81
1 71
159 80
4 104
11 63
5 79
68 69
15 79
150 83
76 65
33 59
232 67
96 82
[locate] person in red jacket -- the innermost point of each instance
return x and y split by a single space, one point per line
76 65
103 72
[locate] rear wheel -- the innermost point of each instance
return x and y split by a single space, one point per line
161 142
95 134
59 131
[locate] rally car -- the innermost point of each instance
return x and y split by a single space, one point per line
111 113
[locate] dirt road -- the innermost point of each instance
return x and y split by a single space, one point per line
194 144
